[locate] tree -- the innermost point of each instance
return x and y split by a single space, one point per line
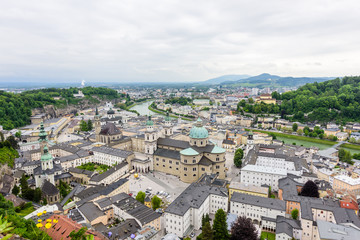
79 235
300 132
23 183
251 100
18 134
83 126
205 218
15 190
295 213
37 195
155 202
352 140
239 154
294 127
13 142
345 156
64 188
207 232
89 125
243 229
220 226
310 189
140 197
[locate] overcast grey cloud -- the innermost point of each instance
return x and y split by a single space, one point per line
131 40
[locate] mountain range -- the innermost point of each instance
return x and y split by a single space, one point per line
262 80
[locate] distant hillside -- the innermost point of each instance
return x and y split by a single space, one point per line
224 78
15 108
268 80
335 100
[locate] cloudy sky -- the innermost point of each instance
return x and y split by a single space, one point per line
131 40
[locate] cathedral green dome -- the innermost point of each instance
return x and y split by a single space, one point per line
198 130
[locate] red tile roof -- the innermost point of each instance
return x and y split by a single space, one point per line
349 204
64 226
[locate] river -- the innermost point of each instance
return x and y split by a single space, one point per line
143 108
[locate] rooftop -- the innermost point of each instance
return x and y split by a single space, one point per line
258 201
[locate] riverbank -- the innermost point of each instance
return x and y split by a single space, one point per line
171 115
296 137
138 103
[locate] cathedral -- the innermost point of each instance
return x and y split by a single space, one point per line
186 159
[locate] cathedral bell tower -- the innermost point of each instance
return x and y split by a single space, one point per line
168 126
150 138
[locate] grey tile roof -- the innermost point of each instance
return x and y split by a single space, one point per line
167 153
76 215
49 189
289 187
81 171
56 168
100 177
205 161
104 202
193 197
89 192
110 129
284 225
119 197
109 188
112 151
173 143
307 203
228 142
328 230
137 210
124 230
91 211
63 176
346 216
270 203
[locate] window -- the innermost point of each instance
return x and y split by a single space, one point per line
177 163
185 161
163 160
170 161
202 169
194 169
194 161
185 169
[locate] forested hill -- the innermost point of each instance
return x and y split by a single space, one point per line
334 100
15 109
